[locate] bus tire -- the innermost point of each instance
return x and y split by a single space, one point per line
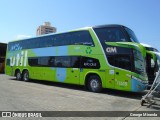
142 102
25 76
94 83
18 75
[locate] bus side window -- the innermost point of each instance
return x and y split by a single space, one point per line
63 61
121 61
75 62
51 61
33 61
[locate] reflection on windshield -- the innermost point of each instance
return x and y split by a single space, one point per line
139 66
139 62
132 35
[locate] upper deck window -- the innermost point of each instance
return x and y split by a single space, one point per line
70 38
111 34
132 35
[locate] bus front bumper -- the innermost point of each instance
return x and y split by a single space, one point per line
138 85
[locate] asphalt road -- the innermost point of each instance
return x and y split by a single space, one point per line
49 96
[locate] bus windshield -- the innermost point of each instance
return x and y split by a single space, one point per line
132 35
139 62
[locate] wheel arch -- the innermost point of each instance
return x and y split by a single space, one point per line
87 78
16 70
24 70
24 76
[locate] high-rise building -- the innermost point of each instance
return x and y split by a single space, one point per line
46 28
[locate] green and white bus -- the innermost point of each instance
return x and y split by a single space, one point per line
98 57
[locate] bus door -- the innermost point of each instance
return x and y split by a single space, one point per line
74 76
74 71
122 72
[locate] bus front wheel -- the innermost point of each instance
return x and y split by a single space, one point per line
25 76
94 83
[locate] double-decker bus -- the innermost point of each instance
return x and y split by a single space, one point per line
3 47
152 62
97 57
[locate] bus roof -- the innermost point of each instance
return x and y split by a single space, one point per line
157 53
149 47
109 25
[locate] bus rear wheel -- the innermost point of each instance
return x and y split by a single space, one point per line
25 76
94 84
18 75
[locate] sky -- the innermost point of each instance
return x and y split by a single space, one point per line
20 18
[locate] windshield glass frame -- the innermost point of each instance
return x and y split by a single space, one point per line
131 35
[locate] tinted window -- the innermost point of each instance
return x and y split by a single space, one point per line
75 62
64 61
121 61
72 38
111 60
43 61
131 35
33 61
51 61
83 38
39 61
110 34
59 61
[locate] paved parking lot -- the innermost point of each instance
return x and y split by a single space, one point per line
49 96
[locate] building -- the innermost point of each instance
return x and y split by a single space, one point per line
45 29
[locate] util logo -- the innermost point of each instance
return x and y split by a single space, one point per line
20 59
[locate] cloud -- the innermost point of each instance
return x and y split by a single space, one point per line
22 36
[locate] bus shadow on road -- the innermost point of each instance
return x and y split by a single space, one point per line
126 94
118 93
